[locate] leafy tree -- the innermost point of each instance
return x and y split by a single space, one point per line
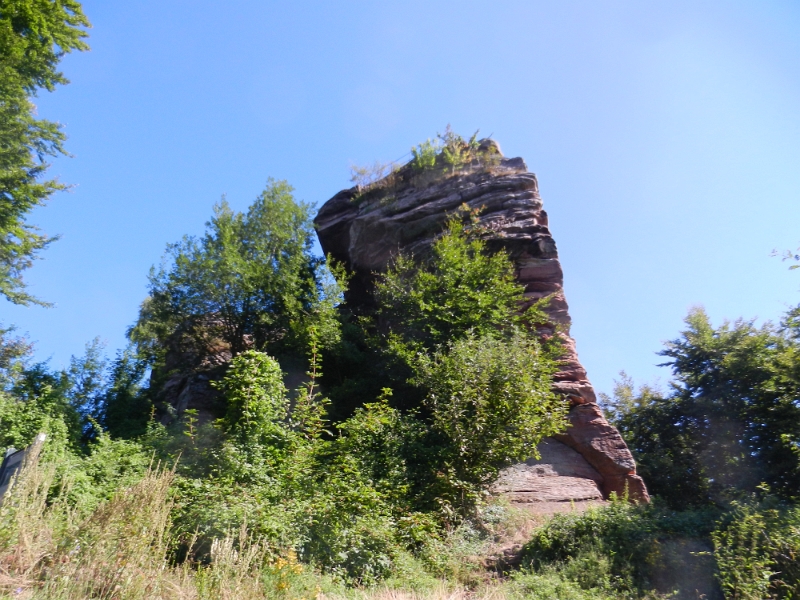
422 303
34 36
126 407
459 287
664 440
250 281
732 419
14 352
470 381
87 385
39 402
490 401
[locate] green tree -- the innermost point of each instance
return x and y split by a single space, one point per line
424 302
666 442
34 36
14 352
470 379
458 288
87 384
250 281
732 420
490 401
126 407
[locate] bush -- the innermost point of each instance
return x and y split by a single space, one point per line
757 550
458 288
425 155
450 150
561 582
635 540
490 401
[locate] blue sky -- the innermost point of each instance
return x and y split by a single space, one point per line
665 136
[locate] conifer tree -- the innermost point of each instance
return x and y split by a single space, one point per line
34 36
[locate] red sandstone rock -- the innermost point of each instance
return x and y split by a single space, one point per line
365 232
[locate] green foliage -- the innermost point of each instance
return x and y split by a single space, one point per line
425 155
449 150
378 436
459 287
256 398
757 550
492 403
553 582
350 529
87 385
13 354
666 445
125 409
38 403
732 420
257 422
249 281
274 472
618 549
34 36
624 550
470 383
456 151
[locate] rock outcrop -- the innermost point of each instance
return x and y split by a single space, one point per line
364 228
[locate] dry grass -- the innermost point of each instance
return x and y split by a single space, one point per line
121 550
442 592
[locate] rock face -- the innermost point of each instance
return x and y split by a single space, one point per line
560 475
364 230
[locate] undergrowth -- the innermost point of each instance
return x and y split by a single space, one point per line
55 545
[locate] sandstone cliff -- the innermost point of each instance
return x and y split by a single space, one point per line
365 228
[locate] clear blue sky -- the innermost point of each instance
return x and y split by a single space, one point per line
665 135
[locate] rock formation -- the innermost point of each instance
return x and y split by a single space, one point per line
364 228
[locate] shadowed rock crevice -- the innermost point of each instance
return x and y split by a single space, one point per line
365 229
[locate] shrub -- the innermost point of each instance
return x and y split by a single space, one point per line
560 581
459 287
456 151
757 551
491 402
425 155
449 149
634 539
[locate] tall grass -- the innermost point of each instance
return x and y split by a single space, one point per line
122 549
126 548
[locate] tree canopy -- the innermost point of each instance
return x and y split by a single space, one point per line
459 287
732 419
34 36
250 282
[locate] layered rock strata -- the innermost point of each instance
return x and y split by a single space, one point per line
364 229
559 478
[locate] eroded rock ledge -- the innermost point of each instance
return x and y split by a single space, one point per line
364 230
